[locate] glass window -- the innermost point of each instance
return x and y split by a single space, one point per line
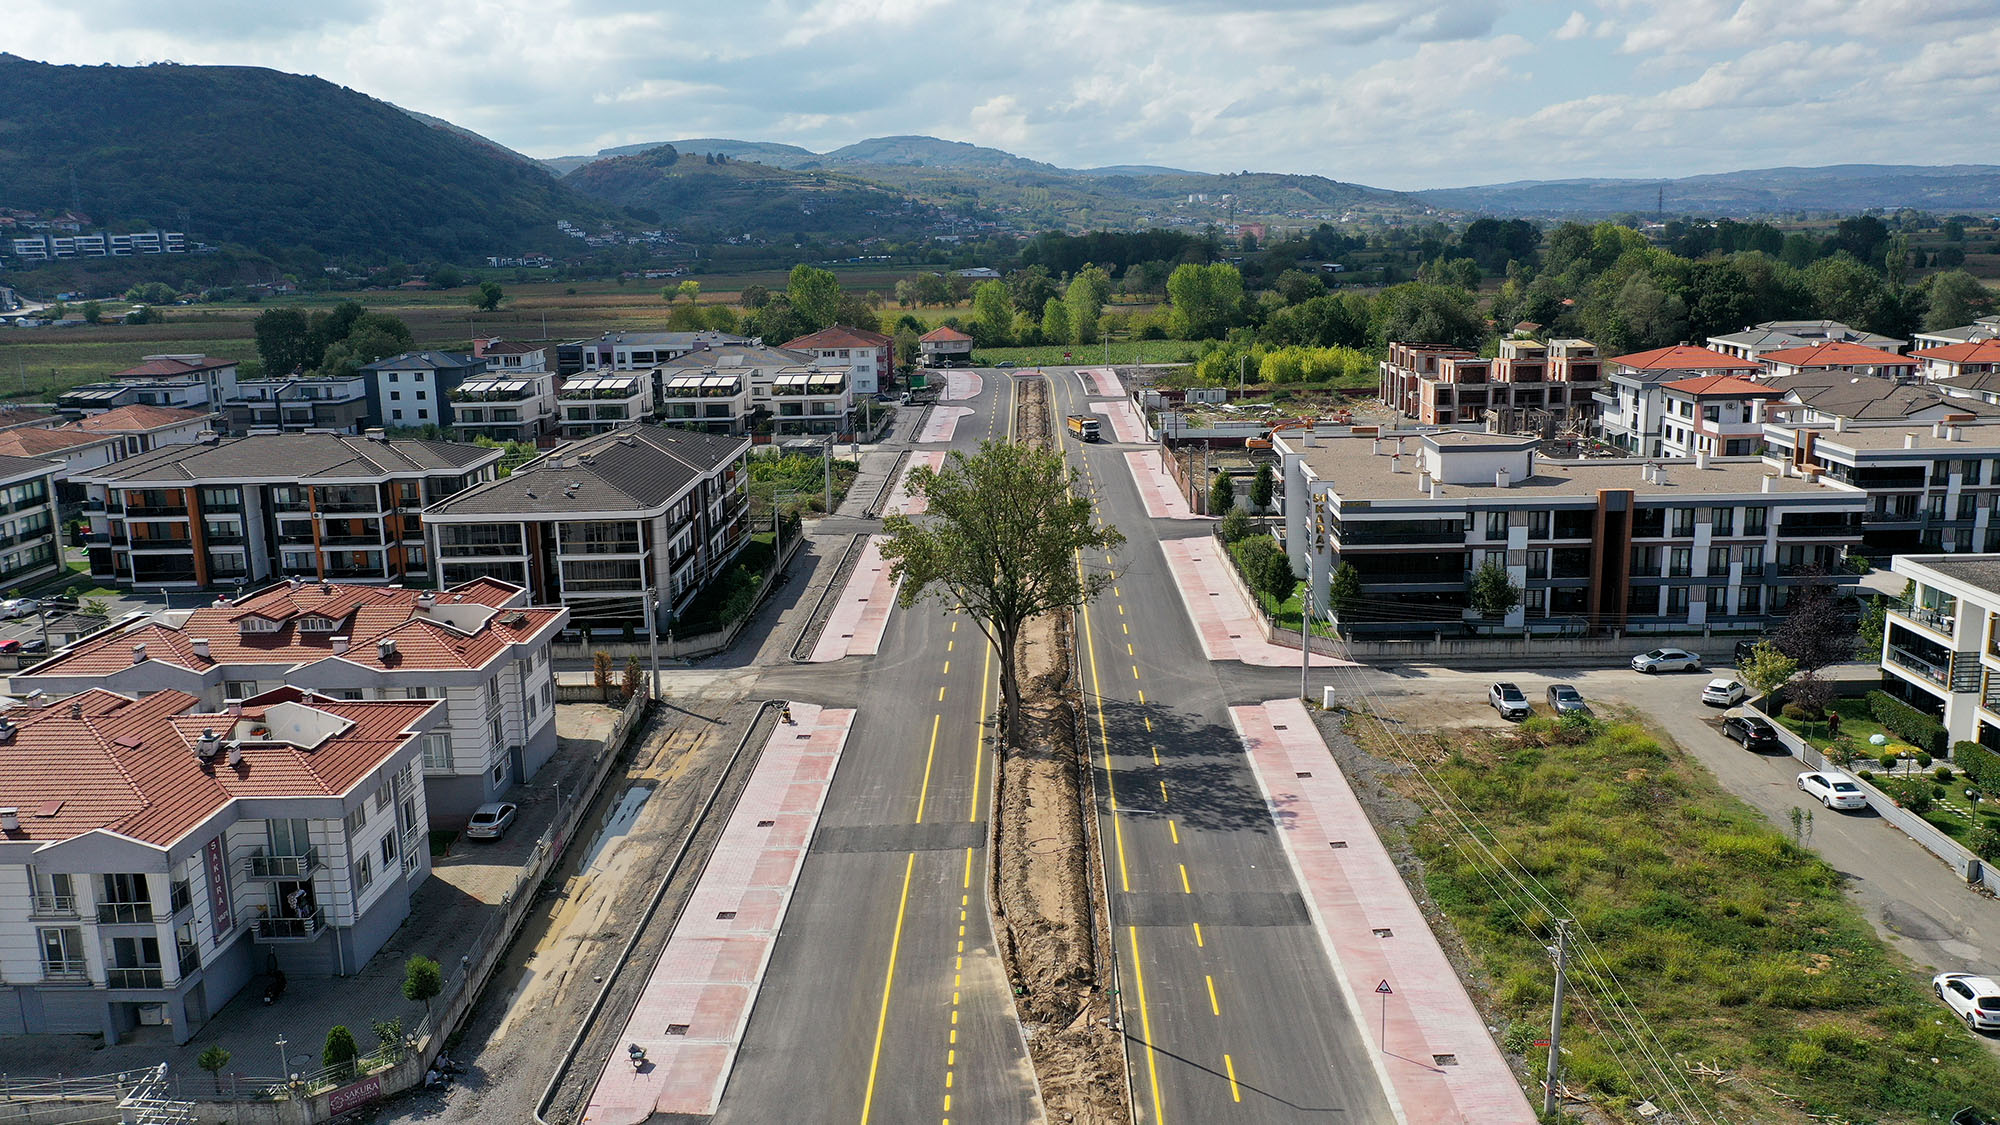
1718 599
62 952
357 820
1718 560
1496 525
364 872
1680 562
1677 599
1683 521
437 751
388 851
1724 522
1754 520
1538 524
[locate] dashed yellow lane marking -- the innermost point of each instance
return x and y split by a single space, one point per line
888 982
1198 943
1146 1027
924 790
1186 888
1213 1004
940 693
1174 831
1229 1064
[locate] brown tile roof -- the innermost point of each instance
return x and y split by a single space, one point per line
1723 385
365 615
1838 353
136 417
162 366
1685 357
33 441
945 333
1977 351
128 766
841 336
511 347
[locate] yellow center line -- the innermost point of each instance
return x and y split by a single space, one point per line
888 982
1135 671
1104 742
1163 792
1213 1005
1185 888
1198 943
924 790
979 744
1146 1027
1229 1064
947 667
940 693
968 868
1174 830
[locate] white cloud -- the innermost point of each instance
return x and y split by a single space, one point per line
1575 27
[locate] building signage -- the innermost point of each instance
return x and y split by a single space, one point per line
355 1096
220 914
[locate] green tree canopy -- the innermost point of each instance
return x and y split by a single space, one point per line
1002 537
1956 298
487 297
423 980
1766 669
340 1050
282 339
1206 299
815 295
1429 314
1491 592
993 312
1055 321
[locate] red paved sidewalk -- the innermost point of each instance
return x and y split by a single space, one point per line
1162 496
942 423
696 1005
1104 380
962 385
1223 618
1125 422
858 619
900 499
1432 1048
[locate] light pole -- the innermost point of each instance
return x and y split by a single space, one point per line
284 1063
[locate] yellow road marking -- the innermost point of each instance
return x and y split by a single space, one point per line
947 667
1104 743
1128 649
1185 888
1213 1006
1135 673
940 693
979 744
1229 1064
1146 1027
1174 831
1156 755
968 867
888 982
1198 943
924 790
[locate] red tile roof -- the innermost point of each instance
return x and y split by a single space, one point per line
1978 351
365 615
1723 386
1838 353
136 417
841 336
37 442
165 366
129 766
945 333
510 347
1685 357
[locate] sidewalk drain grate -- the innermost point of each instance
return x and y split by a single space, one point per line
725 915
1279 726
1305 773
766 823
1382 931
1445 1060
677 1029
1336 843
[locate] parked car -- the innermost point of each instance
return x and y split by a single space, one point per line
34 644
1754 733
1723 692
1667 660
1975 999
1564 699
1507 699
1833 789
17 607
1005 363
10 646
491 821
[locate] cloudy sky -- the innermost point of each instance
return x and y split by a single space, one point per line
1393 93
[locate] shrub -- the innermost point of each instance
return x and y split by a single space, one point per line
1907 722
1923 760
1236 526
1866 775
1985 842
1798 713
1942 773
1981 766
340 1050
1919 801
1887 758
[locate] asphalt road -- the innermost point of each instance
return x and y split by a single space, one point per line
1916 902
885 1000
1231 1008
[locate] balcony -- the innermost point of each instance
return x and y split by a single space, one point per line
150 977
1903 658
156 511
66 972
190 958
289 867
1942 621
307 928
54 906
124 913
330 540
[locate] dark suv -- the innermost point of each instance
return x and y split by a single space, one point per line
1754 733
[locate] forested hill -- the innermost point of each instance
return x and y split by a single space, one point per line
264 159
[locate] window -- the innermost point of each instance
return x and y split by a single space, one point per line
420 693
357 820
62 953
1753 559
394 378
1677 599
54 892
499 773
1538 564
423 395
381 798
1967 505
1749 599
437 751
1718 599
389 851
1683 521
1718 560
364 872
1680 562
1496 525
1535 601
422 414
1753 520
1538 524
1934 506
395 396
1724 522
397 414
548 693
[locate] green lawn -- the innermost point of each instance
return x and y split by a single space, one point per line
1856 723
1734 942
1085 355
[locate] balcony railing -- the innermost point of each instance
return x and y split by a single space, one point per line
179 896
190 958
1929 670
154 977
122 913
282 866
55 906
66 972
1939 620
290 929
351 540
155 511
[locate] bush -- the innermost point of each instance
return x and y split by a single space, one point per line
1236 526
1866 775
1924 760
1942 773
1985 842
1799 713
1981 766
1887 758
1918 801
340 1050
1905 721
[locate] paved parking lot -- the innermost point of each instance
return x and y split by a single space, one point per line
1915 901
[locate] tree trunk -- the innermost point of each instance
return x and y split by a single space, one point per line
1010 690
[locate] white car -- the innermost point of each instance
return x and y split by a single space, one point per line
17 607
1508 699
1723 692
1975 999
1667 660
490 821
1833 789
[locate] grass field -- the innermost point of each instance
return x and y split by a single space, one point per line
1734 943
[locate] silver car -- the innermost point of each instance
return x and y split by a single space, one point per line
1564 699
491 821
1667 660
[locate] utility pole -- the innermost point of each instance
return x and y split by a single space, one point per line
1242 369
1305 627
1556 1017
829 474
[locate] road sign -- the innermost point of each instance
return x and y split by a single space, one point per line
1384 988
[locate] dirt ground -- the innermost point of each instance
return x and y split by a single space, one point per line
1043 859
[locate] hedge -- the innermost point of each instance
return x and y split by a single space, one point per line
1981 765
1912 725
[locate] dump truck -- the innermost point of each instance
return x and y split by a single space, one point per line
1083 426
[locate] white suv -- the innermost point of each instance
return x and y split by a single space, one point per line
1507 699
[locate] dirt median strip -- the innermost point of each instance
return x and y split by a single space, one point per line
1043 857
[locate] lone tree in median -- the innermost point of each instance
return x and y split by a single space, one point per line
1002 538
422 981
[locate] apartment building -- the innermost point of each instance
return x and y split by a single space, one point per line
156 855
216 374
1593 545
54 247
1823 396
1971 368
812 401
478 646
869 357
643 351
413 390
185 393
1759 340
760 365
606 525
295 404
1631 411
1838 358
1985 328
1941 648
1529 387
1930 487
717 401
512 406
508 357
945 346
242 511
30 549
598 403
1719 414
